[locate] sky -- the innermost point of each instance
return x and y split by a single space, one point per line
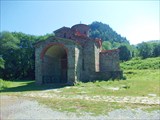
136 20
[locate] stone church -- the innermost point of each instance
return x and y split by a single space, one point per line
71 56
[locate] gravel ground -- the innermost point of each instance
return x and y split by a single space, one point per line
15 108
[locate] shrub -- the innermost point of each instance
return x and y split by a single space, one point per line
136 63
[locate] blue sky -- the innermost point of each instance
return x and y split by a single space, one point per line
136 20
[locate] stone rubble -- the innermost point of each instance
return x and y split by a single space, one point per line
126 99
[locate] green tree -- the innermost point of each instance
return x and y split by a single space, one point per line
8 46
124 53
145 50
17 55
8 42
25 56
106 33
1 63
156 50
106 45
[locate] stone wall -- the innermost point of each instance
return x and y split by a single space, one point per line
107 75
109 60
88 57
81 28
85 59
72 56
49 72
64 32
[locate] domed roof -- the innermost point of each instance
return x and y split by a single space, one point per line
80 26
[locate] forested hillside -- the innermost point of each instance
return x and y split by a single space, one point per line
106 33
17 59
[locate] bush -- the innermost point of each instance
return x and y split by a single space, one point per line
136 63
3 84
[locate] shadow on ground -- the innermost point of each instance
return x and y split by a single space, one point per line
31 86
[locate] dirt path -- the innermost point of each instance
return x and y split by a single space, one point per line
15 108
19 108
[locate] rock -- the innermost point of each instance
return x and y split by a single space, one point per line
153 95
114 88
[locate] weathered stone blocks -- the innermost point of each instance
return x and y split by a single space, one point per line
72 56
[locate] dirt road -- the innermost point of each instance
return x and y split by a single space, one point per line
20 108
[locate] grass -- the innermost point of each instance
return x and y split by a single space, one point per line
139 64
139 82
24 86
78 105
94 107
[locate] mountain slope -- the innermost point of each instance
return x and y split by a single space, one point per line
106 33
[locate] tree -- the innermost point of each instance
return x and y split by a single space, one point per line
106 45
145 50
1 63
8 46
156 50
124 53
106 33
17 55
25 56
8 42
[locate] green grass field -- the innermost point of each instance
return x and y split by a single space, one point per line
139 82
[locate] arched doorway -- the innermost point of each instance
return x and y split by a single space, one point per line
55 65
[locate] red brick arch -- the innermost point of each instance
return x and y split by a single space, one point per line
50 45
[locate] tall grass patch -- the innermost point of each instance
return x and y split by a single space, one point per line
139 64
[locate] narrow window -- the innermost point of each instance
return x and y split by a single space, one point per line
83 65
64 35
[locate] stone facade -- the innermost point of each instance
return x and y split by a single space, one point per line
71 56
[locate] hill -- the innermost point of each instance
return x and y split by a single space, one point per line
106 33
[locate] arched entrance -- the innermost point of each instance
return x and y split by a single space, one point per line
54 66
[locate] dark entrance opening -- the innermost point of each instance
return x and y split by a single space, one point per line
55 65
